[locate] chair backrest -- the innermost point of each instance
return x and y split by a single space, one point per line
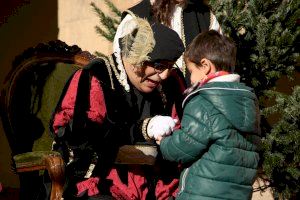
31 91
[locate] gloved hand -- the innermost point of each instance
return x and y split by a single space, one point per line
160 126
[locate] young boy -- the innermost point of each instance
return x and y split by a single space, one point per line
218 141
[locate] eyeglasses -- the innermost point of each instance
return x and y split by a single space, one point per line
159 67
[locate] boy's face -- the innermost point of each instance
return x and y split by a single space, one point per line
198 73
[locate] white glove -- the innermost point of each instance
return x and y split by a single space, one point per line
160 126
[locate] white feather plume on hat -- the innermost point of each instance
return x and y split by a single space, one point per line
141 28
139 42
130 30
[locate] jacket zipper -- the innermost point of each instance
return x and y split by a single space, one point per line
183 181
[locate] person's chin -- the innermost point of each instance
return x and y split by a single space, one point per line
147 89
148 86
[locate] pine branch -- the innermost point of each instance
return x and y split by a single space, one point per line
110 24
113 8
282 144
102 33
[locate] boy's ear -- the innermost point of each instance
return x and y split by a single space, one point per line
207 66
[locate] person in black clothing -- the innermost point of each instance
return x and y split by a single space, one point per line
187 17
109 104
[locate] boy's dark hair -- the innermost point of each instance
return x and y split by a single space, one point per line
219 49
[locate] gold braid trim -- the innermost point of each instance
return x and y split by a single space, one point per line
162 95
183 68
211 19
108 66
144 129
112 69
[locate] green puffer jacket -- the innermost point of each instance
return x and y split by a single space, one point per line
218 141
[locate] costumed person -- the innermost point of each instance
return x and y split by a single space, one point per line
109 104
219 139
187 17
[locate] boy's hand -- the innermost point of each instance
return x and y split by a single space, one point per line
160 126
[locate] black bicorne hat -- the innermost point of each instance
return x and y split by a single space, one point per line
150 42
168 45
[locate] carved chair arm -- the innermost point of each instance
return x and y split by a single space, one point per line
44 160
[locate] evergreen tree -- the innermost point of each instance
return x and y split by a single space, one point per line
266 34
281 145
107 23
267 38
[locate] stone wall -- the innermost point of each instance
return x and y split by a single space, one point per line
77 21
23 24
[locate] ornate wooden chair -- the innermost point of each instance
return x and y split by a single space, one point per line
28 98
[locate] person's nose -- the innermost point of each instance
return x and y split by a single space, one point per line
164 74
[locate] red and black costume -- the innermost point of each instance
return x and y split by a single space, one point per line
96 116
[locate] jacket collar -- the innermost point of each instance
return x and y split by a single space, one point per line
224 78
